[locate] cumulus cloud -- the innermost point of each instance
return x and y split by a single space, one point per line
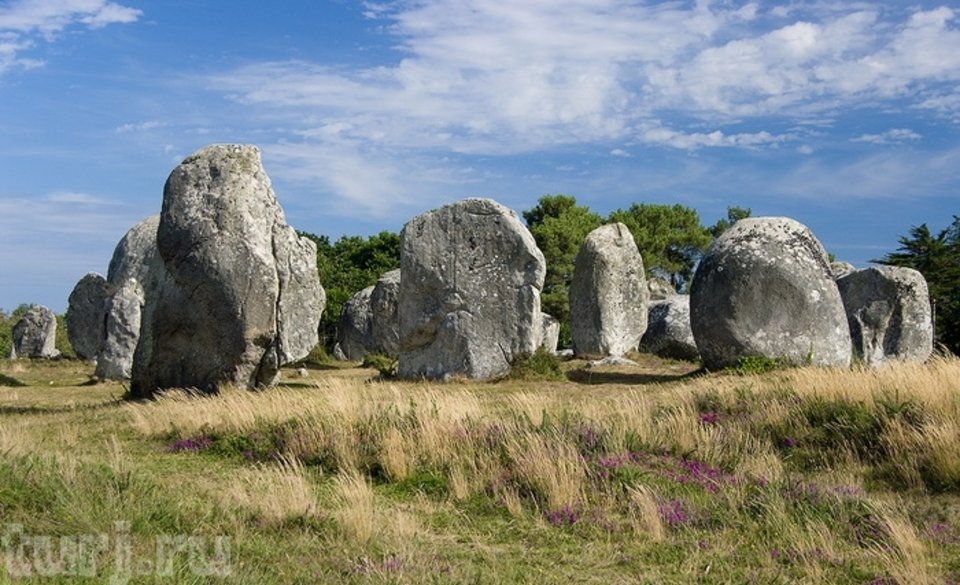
25 22
483 77
139 127
500 78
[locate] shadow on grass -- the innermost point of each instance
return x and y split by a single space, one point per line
10 382
586 376
31 409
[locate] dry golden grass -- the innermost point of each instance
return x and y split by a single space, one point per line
275 492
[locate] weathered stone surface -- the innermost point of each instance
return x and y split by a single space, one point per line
764 288
668 329
549 333
238 293
354 330
385 314
888 309
840 269
608 294
129 282
659 288
469 291
369 321
35 334
85 312
134 253
122 331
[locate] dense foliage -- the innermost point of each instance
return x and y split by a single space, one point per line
347 266
937 257
670 237
559 227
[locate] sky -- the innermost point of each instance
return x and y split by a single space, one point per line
844 115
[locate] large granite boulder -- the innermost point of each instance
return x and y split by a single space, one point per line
85 311
469 291
129 283
765 288
608 294
888 309
35 334
668 329
369 321
237 292
839 269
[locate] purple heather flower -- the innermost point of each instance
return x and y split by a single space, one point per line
673 513
565 516
192 444
709 418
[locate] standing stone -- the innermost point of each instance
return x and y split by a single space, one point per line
385 314
369 322
668 332
35 334
85 312
122 331
764 288
888 309
608 294
469 291
129 282
549 333
238 292
354 330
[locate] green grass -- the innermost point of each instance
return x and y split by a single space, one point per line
627 475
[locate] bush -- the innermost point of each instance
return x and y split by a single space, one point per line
386 365
541 365
757 364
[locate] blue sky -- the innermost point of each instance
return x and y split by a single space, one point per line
843 115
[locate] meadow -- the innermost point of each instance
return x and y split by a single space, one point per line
649 474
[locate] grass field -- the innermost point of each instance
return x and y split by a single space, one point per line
648 474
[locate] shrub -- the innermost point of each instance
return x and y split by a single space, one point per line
540 365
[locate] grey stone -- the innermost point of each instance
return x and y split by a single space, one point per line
840 269
385 314
85 312
668 330
236 292
469 291
134 253
128 284
549 333
35 334
608 294
122 331
369 321
888 309
354 330
764 288
659 288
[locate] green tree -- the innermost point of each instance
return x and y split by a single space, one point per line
347 267
670 237
559 227
7 322
733 215
937 257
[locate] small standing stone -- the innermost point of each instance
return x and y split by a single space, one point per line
608 294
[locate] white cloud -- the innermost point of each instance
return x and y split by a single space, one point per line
139 127
23 22
894 135
694 140
619 152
